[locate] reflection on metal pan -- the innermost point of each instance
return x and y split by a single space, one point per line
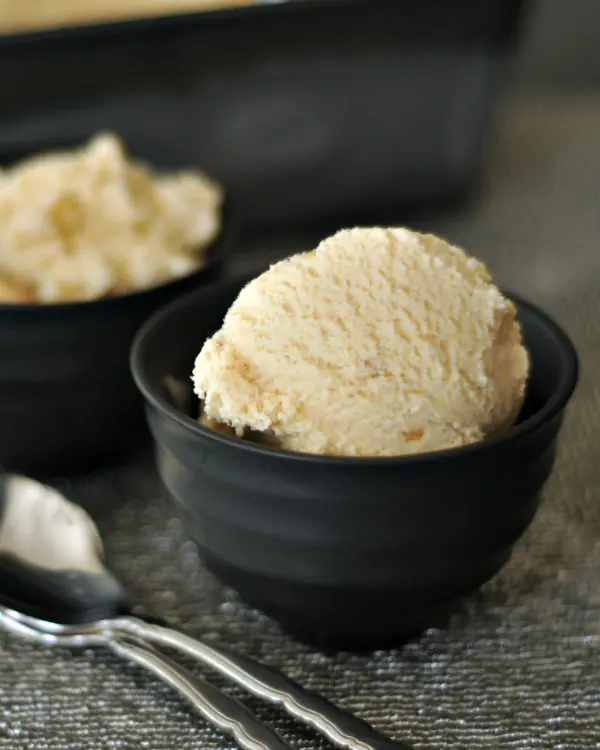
34 15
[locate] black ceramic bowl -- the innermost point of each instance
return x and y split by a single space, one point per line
348 551
67 399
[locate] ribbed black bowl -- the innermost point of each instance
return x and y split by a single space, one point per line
67 399
339 550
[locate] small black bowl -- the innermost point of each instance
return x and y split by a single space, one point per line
67 399
348 551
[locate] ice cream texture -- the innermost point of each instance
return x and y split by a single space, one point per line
92 222
381 342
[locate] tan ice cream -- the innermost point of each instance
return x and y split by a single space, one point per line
381 342
90 223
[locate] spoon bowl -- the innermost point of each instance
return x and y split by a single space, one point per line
51 556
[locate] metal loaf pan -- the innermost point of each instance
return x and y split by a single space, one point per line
306 109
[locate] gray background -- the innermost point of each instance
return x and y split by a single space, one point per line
560 45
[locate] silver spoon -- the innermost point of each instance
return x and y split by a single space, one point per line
62 569
55 586
217 707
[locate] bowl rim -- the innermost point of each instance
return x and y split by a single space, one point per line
556 403
214 254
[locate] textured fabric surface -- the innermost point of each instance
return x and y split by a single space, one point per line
519 665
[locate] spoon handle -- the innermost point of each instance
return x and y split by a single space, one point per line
219 709
342 728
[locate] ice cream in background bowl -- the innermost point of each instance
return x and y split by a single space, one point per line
92 222
92 241
315 502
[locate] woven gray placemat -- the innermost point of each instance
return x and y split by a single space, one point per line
519 665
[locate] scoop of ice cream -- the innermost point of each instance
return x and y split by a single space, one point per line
260 438
380 342
13 292
92 222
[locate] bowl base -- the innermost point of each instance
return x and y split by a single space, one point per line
316 615
366 643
